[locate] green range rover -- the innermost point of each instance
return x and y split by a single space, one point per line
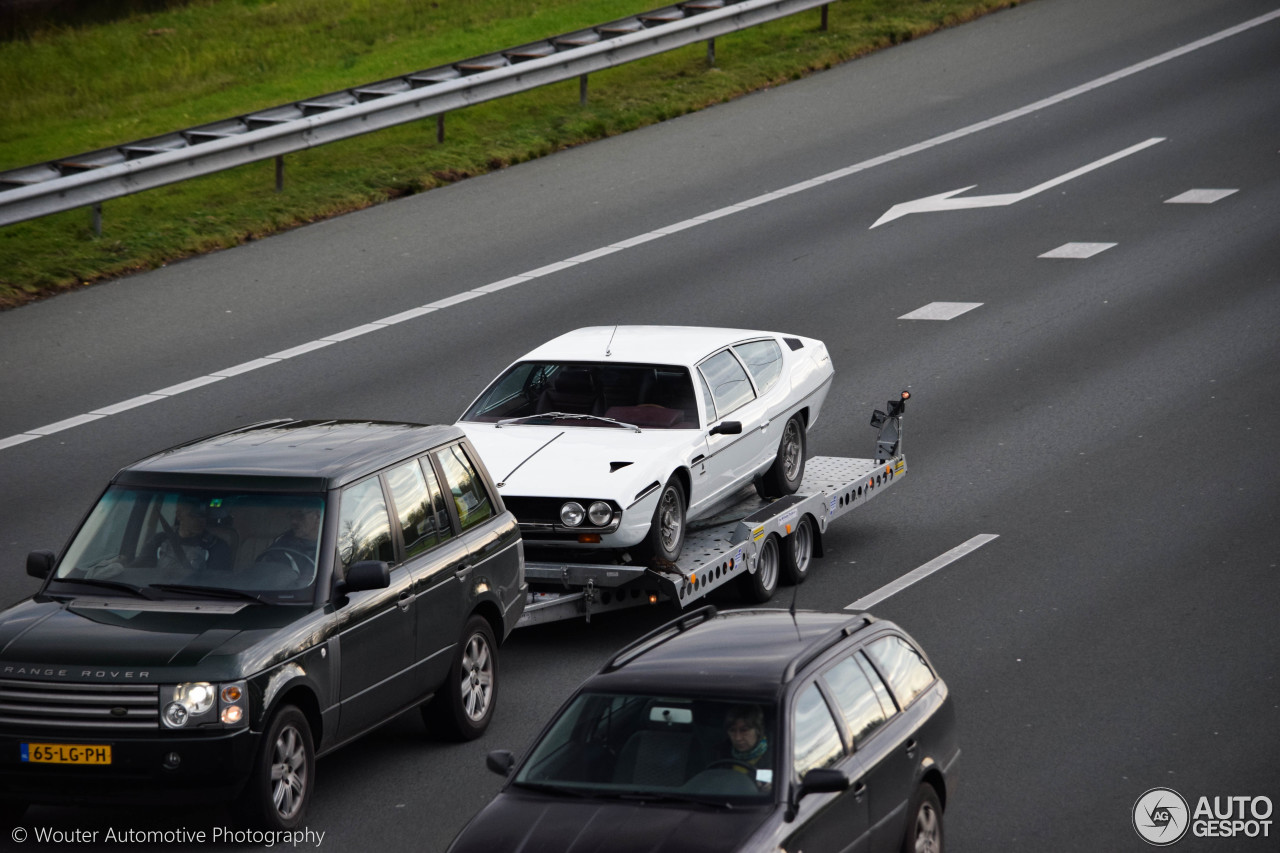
234 607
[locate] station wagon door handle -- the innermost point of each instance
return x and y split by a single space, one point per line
859 790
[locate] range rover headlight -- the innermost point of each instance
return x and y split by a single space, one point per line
199 702
600 513
571 514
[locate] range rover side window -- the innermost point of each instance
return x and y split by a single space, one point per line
466 486
364 528
903 667
415 507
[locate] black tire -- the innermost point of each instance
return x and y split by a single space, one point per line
759 586
924 831
797 552
665 539
787 471
464 706
283 776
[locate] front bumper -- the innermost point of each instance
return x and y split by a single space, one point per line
211 767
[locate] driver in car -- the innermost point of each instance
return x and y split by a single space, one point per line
188 545
748 745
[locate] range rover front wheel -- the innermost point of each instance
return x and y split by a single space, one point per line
279 788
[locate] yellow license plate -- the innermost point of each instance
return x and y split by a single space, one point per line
66 753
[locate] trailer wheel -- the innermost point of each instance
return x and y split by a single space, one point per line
787 471
758 586
797 552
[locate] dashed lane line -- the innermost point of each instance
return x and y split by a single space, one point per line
923 572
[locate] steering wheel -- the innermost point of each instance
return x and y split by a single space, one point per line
732 763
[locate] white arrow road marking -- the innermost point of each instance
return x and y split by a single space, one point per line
923 572
947 201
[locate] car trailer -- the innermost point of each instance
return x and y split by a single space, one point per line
754 543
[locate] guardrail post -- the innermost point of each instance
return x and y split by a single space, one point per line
711 53
279 173
96 219
582 91
823 26
440 128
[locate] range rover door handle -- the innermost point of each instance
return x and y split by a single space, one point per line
463 571
404 599
859 790
911 748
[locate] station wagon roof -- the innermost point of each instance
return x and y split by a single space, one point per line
684 345
324 454
737 653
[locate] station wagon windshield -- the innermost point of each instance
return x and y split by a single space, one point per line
160 541
604 395
663 747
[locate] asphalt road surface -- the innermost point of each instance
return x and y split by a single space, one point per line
1081 293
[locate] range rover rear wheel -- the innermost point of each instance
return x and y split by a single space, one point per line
464 705
279 788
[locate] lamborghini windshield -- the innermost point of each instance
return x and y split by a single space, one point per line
604 395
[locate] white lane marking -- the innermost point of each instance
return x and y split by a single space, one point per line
802 186
941 311
953 201
1200 197
923 572
1078 250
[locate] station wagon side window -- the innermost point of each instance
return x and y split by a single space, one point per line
418 504
815 736
364 527
469 494
903 667
858 701
764 361
730 387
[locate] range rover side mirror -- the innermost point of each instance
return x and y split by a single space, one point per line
727 428
40 563
367 574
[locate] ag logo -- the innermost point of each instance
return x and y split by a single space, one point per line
1161 816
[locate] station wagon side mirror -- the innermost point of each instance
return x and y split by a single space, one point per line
820 780
500 761
727 428
40 563
366 574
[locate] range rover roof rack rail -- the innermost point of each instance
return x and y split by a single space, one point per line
806 655
658 636
246 428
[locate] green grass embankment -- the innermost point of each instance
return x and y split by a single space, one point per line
73 90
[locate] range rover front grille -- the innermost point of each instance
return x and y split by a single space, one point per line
79 707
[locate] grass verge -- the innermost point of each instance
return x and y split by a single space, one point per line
72 90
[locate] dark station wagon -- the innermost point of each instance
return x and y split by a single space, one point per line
749 730
234 607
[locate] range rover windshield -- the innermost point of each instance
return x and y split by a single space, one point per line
157 542
600 395
656 747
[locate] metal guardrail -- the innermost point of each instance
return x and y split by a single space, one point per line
89 179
